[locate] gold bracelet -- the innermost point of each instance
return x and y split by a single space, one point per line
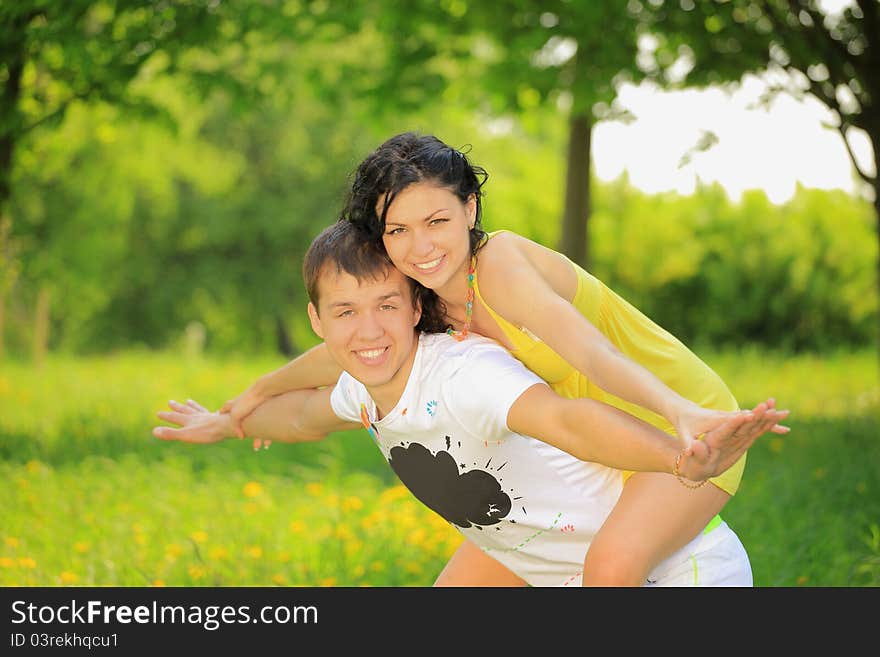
677 473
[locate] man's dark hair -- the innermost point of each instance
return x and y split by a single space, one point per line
343 246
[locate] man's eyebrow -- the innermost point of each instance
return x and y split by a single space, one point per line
395 223
384 297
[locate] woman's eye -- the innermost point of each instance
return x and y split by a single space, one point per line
439 221
395 231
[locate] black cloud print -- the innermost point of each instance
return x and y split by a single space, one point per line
471 498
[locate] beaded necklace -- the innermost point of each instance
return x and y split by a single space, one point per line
468 306
365 420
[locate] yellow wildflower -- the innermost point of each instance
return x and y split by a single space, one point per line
69 578
218 553
199 536
252 489
196 572
393 494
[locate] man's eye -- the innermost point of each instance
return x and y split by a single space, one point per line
388 307
346 313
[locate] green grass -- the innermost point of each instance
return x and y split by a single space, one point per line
90 498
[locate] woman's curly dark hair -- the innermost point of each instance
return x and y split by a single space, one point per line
401 161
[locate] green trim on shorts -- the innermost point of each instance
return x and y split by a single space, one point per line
694 564
713 523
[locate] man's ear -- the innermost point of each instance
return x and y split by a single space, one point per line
417 308
315 320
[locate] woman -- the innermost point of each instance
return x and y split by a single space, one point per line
422 200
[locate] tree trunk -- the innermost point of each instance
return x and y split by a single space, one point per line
282 337
574 240
9 113
41 327
877 223
2 322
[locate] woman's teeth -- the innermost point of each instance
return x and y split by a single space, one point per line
430 265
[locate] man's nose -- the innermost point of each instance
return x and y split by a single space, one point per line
369 327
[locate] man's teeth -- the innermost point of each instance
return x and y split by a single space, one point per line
430 265
371 353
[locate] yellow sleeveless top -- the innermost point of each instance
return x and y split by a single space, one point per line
642 341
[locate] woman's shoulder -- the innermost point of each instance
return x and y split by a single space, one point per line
505 246
507 256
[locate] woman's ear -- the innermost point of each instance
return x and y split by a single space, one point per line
470 207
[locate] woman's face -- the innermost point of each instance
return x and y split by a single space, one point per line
427 233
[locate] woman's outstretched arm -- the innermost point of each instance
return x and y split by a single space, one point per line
311 369
539 306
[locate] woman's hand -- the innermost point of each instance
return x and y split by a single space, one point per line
723 445
691 420
240 407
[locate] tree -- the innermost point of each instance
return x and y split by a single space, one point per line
56 54
833 57
511 56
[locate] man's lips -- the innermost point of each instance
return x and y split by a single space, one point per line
373 355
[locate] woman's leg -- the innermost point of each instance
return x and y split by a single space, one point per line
654 517
470 566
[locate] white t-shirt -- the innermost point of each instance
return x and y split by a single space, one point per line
531 506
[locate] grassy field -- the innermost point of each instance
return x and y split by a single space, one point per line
90 498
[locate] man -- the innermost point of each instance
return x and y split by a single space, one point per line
476 436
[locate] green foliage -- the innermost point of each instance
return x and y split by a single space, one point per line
91 498
196 213
797 276
141 228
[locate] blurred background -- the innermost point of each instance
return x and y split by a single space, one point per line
164 166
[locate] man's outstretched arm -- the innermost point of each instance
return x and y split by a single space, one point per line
594 431
298 416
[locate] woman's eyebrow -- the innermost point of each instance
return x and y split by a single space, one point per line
397 223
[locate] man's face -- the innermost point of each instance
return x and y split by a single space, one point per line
368 326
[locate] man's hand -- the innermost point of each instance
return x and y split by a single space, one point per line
197 424
721 447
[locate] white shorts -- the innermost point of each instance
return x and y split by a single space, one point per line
714 559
